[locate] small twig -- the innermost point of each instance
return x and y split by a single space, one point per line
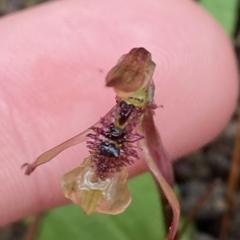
33 227
232 182
196 208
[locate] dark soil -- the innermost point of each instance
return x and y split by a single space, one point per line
14 231
196 172
9 6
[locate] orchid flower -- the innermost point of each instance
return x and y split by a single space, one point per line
124 135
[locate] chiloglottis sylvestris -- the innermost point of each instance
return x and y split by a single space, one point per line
124 135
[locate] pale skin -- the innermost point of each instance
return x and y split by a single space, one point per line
52 87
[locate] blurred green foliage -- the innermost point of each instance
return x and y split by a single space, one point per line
139 221
142 220
224 11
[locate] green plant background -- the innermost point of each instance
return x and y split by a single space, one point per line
143 219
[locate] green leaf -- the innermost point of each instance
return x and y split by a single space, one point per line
224 12
141 220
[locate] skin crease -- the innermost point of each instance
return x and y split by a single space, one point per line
53 62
